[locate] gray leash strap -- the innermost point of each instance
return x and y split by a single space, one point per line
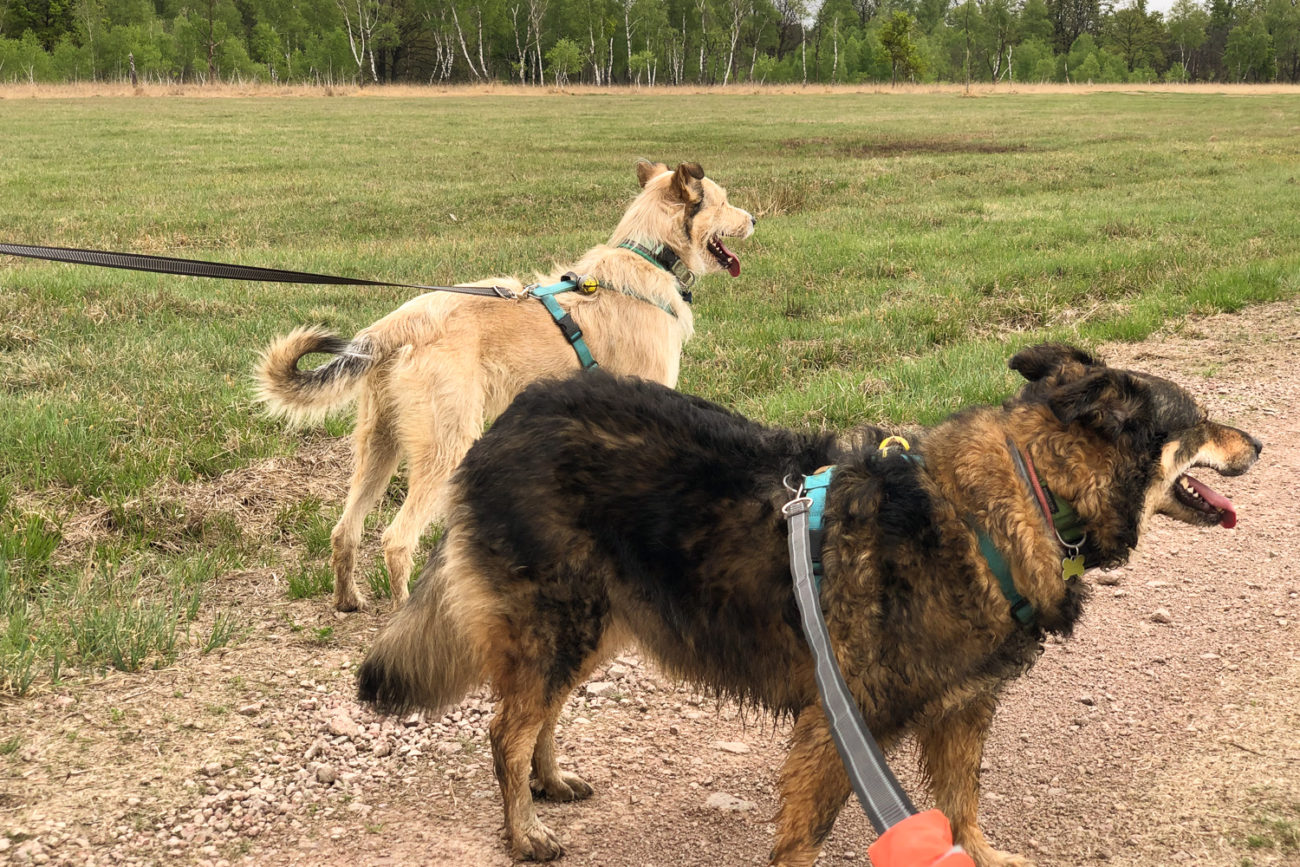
197 268
878 790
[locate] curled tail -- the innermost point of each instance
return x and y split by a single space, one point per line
424 658
309 395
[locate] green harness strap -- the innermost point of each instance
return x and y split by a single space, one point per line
1021 608
1068 525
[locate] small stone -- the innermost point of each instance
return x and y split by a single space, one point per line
602 688
1108 579
212 768
1161 615
383 747
1087 700
728 803
251 709
342 725
731 747
617 672
326 774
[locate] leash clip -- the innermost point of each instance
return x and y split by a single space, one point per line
799 504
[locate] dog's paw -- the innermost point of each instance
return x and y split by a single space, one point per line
997 858
537 843
347 600
565 787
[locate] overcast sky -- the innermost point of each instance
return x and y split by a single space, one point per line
1158 5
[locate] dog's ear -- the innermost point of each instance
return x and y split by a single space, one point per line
686 182
1110 402
645 170
1058 360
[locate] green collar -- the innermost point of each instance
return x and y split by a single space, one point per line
669 261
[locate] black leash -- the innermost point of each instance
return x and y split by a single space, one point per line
196 268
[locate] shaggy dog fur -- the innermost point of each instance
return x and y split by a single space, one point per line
598 511
429 375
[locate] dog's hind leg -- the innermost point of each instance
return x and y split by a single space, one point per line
951 749
548 780
814 787
552 632
520 717
430 465
376 455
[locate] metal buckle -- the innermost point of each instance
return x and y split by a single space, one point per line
684 275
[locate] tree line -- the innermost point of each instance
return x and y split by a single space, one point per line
647 42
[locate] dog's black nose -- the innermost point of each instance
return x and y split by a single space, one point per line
1259 446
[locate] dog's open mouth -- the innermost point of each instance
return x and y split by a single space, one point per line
1197 495
725 257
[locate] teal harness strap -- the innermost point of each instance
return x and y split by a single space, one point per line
568 327
815 487
1069 526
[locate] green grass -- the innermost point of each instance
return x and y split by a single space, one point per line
906 246
310 581
1276 827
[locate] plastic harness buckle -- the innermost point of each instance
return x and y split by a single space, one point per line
568 327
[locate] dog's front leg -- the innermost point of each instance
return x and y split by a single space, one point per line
951 749
814 787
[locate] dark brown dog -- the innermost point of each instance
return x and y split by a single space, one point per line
598 511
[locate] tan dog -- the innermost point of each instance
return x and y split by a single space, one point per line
429 376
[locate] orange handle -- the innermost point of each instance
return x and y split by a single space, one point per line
923 840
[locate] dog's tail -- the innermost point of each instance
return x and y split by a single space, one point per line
304 396
425 657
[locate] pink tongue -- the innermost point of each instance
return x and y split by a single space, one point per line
1218 501
733 264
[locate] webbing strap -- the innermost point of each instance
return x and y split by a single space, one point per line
878 790
1021 608
568 327
665 258
815 487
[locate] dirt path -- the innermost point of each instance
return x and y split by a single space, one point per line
1138 742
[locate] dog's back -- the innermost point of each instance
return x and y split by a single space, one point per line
594 506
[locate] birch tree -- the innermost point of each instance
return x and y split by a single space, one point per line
361 18
479 73
741 11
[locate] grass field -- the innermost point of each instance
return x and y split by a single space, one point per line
906 245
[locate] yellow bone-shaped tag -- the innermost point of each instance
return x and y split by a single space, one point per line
1072 567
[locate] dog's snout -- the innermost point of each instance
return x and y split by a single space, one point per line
1254 442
